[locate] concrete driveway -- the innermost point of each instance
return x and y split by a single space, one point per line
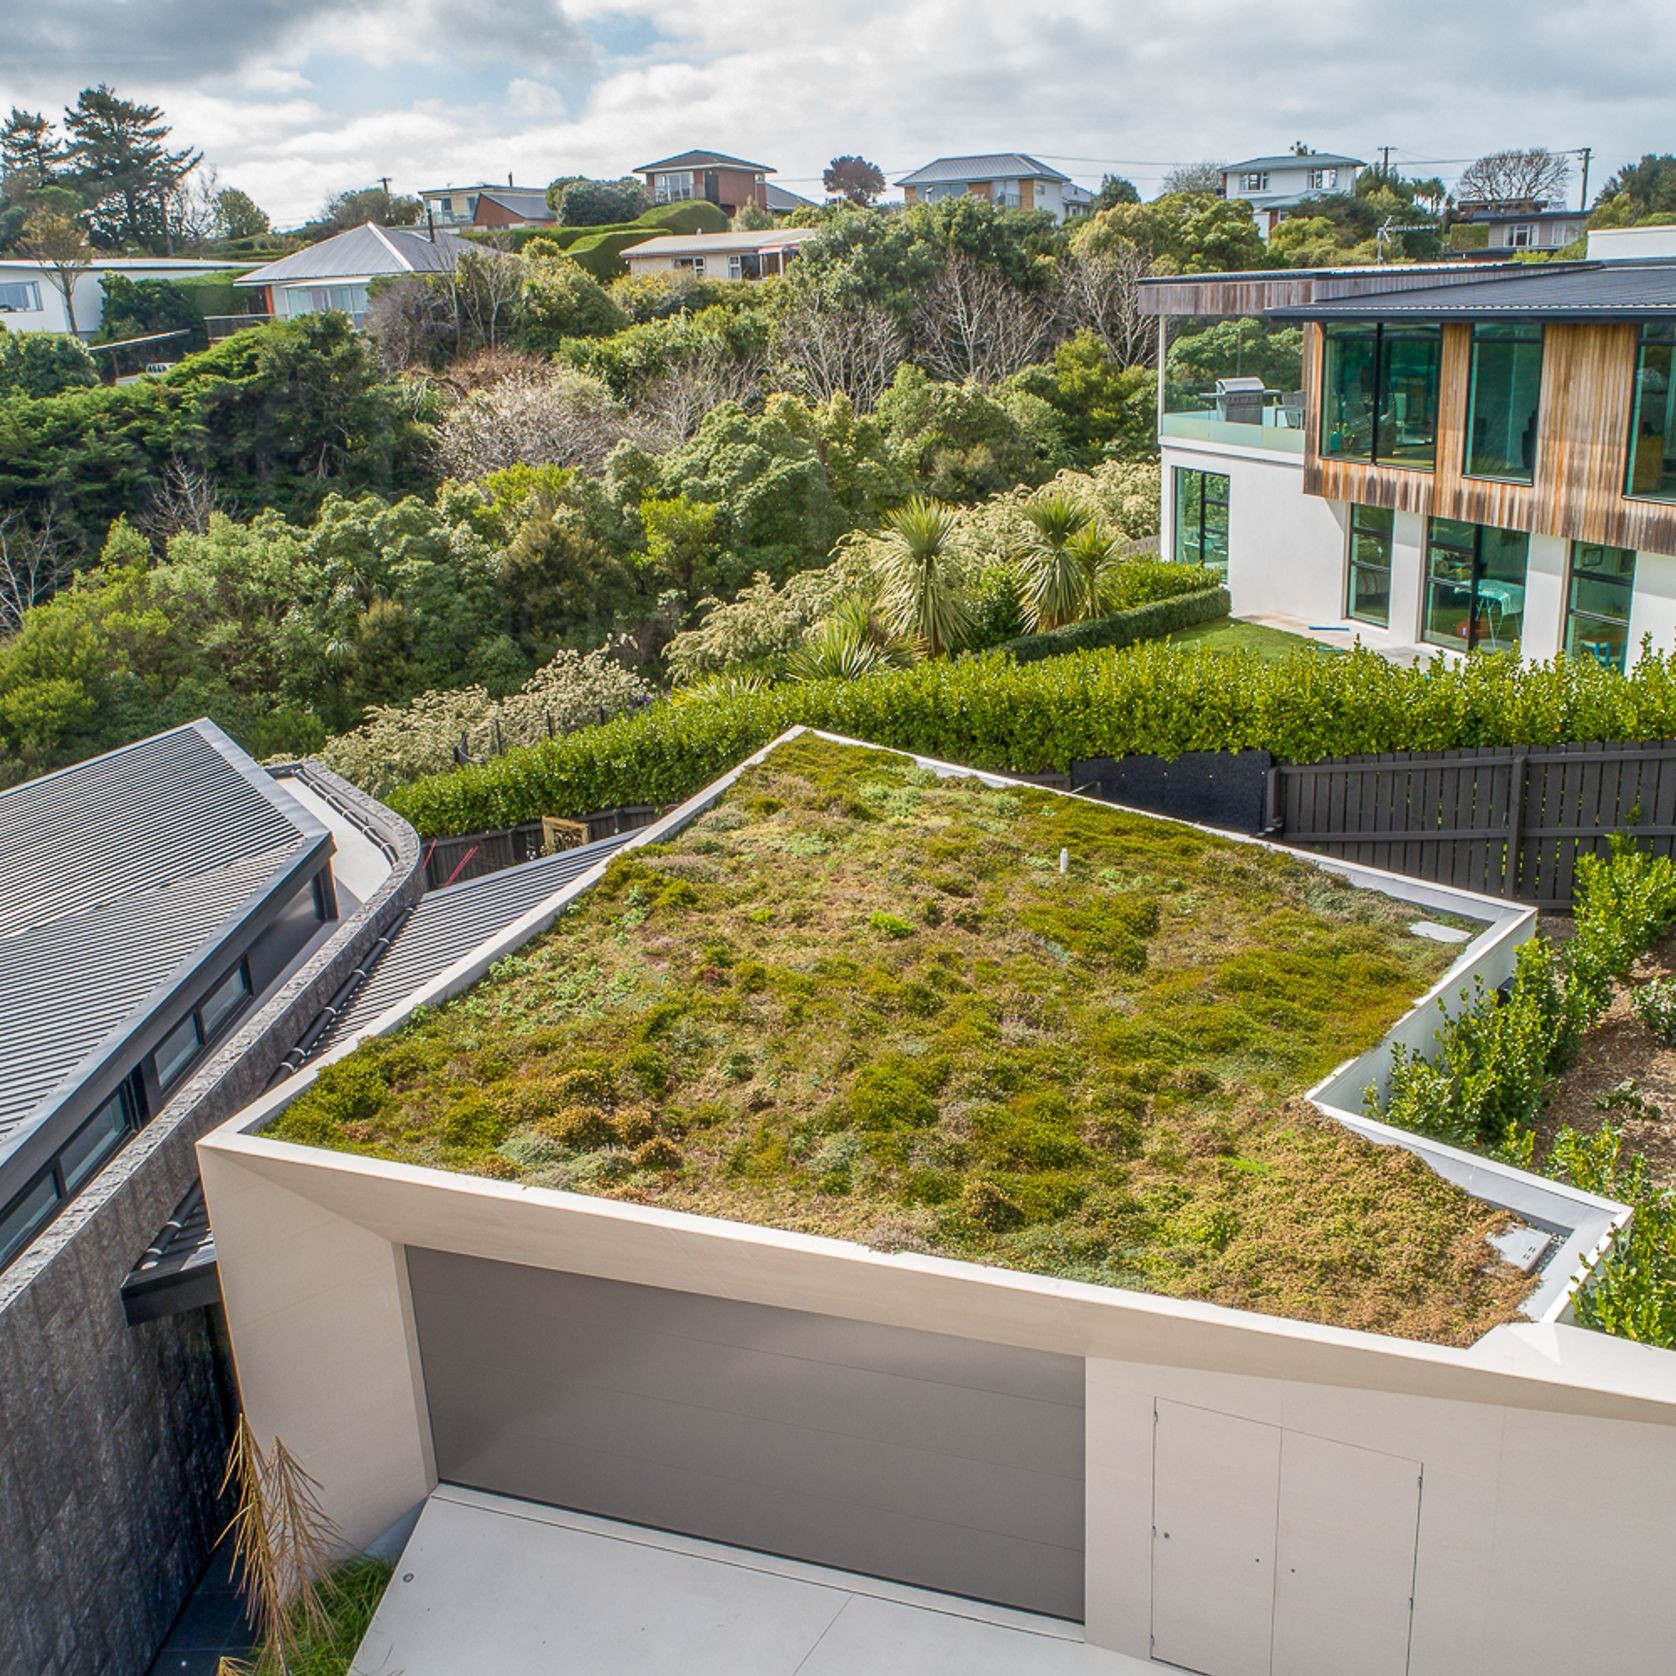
486 1583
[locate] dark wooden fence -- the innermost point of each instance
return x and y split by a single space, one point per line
450 861
1508 821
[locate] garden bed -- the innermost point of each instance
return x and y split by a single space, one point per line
857 999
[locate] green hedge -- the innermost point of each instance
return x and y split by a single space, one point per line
993 712
692 216
1123 628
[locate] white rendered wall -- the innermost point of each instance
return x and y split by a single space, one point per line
1653 606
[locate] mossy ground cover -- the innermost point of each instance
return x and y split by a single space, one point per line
858 1000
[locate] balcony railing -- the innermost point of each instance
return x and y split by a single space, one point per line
1273 431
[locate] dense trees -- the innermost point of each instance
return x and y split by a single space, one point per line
599 203
1644 191
853 179
1528 174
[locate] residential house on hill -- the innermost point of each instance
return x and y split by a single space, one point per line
728 182
1009 179
336 273
456 206
1531 226
781 202
1481 457
1277 187
513 206
31 299
759 255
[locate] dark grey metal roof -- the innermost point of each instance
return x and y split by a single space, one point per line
531 206
993 165
449 923
780 200
703 160
119 877
177 1270
1296 160
1576 291
363 252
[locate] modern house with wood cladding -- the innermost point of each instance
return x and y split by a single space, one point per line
1476 458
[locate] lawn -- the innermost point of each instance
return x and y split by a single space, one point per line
1229 634
859 1000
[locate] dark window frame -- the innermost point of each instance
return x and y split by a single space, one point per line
1660 335
1383 334
1204 500
1505 332
206 1036
1353 564
1476 579
1574 614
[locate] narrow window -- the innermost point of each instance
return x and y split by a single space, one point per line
1475 586
1368 598
1201 521
224 1000
23 1218
177 1050
94 1142
1652 443
1506 390
1599 593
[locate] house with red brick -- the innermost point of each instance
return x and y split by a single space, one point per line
728 182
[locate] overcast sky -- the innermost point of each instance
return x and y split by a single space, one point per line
295 99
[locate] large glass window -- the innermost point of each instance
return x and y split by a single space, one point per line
23 297
1598 595
673 187
1475 586
1502 406
1201 521
1379 394
1652 442
1368 598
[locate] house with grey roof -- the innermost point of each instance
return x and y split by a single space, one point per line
756 255
456 206
1469 457
1279 186
508 206
1008 179
148 898
711 176
337 272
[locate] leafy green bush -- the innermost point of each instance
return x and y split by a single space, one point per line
1626 902
1655 1006
1037 718
1161 616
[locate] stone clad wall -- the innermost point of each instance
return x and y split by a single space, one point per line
112 1437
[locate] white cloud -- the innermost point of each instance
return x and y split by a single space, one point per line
427 90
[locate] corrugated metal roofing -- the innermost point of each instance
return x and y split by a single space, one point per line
1296 160
364 251
447 924
1577 291
995 165
116 877
529 206
703 160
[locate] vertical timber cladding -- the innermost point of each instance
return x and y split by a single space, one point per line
1588 378
948 1463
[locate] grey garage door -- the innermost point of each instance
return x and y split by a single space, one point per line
923 1457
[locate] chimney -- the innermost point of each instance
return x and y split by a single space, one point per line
430 221
508 177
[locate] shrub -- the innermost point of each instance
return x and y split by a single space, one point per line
1655 1006
1034 718
1626 902
1160 616
989 1207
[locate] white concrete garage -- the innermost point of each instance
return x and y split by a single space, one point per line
486 1583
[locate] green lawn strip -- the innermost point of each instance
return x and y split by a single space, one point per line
1229 634
854 999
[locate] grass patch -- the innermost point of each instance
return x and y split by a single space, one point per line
1229 634
875 1009
350 1592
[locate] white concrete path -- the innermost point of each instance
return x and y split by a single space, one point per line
488 1584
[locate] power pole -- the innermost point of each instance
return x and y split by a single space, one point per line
384 181
1586 152
1385 162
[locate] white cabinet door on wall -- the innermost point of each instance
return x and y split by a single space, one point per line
1215 1484
1275 1553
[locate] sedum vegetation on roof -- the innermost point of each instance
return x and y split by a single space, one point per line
860 1000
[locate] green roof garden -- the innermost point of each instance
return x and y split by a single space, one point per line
860 999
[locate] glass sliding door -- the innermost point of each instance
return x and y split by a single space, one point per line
1368 597
1201 518
1599 591
1379 394
1506 390
1475 586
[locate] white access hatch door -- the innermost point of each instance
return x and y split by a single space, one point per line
1344 1582
1215 1483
